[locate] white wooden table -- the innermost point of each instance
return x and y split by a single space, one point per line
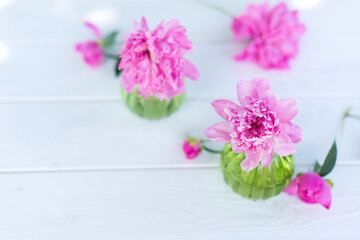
76 164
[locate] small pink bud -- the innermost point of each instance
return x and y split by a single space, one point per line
311 188
192 147
92 51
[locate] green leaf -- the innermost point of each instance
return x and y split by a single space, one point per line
330 161
117 70
109 40
316 167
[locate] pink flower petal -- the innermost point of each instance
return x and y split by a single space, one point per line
262 87
143 23
244 91
170 25
283 146
292 189
220 132
255 127
266 158
274 34
293 131
190 151
190 71
154 60
221 106
271 99
80 46
240 28
325 195
257 88
309 187
94 29
286 110
251 161
240 57
92 53
310 181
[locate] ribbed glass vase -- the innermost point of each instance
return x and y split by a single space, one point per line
259 183
152 108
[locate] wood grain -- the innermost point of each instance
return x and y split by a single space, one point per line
62 20
165 204
106 134
320 71
76 164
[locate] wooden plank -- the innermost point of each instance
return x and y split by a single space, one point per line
320 71
64 19
62 135
166 204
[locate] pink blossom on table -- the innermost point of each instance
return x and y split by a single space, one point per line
311 188
92 51
274 35
192 147
259 127
154 60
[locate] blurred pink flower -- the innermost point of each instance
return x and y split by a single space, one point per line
153 60
274 35
260 126
311 188
92 52
192 147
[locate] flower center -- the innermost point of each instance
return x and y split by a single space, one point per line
148 54
253 125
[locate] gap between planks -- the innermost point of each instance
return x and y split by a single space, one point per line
134 168
353 40
85 99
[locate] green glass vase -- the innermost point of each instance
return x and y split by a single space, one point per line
152 108
259 183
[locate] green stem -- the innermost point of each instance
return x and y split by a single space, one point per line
215 7
342 125
119 43
347 114
210 150
353 116
111 56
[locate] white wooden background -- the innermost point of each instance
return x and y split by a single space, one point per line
76 164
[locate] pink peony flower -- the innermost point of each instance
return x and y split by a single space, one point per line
192 147
92 52
154 60
274 35
311 188
259 127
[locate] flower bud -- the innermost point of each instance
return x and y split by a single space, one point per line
311 188
192 147
92 51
